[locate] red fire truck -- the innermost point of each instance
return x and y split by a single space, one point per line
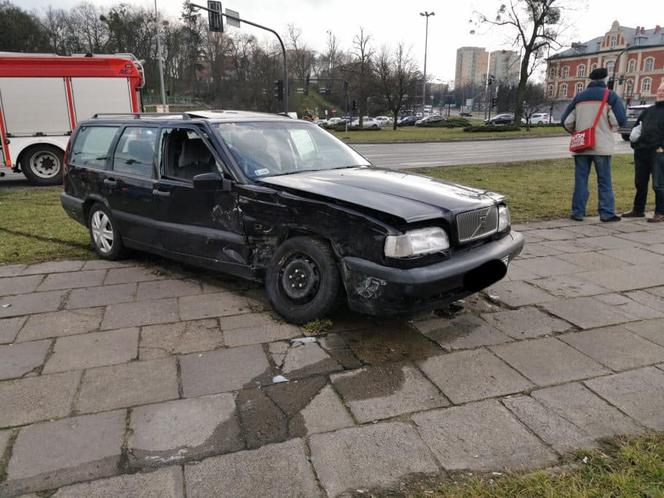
43 96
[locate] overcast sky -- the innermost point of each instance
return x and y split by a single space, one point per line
390 21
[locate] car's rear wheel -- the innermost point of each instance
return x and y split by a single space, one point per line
104 234
42 164
302 281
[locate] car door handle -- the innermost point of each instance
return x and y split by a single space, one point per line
160 193
110 182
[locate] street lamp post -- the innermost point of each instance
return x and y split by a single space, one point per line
426 42
159 58
612 80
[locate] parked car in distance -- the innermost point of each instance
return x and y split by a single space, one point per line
407 121
384 120
633 113
434 118
540 118
281 201
367 122
466 114
334 121
498 119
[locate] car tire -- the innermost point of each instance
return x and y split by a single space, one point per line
104 234
42 164
303 281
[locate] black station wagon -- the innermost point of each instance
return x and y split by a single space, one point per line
278 200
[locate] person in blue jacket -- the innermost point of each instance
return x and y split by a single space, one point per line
579 115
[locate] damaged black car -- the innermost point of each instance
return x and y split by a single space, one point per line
281 201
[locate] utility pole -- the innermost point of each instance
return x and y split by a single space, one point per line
426 42
159 58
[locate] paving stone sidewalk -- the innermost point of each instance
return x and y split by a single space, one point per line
143 378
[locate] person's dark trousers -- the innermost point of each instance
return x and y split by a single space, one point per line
582 165
643 168
658 182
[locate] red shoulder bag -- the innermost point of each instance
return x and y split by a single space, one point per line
585 139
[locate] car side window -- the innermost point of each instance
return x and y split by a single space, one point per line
92 145
184 154
134 153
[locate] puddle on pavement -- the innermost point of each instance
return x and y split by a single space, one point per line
389 343
375 382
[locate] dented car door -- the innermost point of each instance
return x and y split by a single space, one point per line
200 222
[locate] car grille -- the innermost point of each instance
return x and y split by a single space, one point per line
476 224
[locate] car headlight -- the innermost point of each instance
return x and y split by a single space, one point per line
416 243
503 218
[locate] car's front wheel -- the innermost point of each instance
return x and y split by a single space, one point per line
104 234
302 281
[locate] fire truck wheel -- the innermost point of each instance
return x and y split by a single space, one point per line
42 164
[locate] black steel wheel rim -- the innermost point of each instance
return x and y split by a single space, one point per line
299 278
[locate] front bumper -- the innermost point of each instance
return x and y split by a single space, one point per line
375 289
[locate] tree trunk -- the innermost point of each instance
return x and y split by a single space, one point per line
521 91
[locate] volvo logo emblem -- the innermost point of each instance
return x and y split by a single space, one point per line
482 220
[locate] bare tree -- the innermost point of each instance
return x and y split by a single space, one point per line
362 70
329 59
397 75
536 25
90 30
300 58
534 101
55 23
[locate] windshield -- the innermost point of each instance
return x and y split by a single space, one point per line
269 148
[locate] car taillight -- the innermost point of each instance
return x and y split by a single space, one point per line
65 163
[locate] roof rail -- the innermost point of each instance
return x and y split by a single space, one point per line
140 115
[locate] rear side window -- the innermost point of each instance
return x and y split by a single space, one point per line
134 153
92 146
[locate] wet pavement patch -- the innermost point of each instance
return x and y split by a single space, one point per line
262 421
386 391
389 343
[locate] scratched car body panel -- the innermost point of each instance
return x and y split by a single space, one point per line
278 200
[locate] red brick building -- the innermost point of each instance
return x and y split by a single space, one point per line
635 56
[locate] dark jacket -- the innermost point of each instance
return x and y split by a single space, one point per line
581 112
652 128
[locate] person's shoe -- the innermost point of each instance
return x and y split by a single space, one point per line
657 217
612 218
576 218
633 214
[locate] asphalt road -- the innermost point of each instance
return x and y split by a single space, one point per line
422 155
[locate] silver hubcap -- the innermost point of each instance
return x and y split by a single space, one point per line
102 231
45 164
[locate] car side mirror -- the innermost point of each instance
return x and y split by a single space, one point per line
212 181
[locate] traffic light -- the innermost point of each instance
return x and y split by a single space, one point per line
354 105
493 103
214 17
278 90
